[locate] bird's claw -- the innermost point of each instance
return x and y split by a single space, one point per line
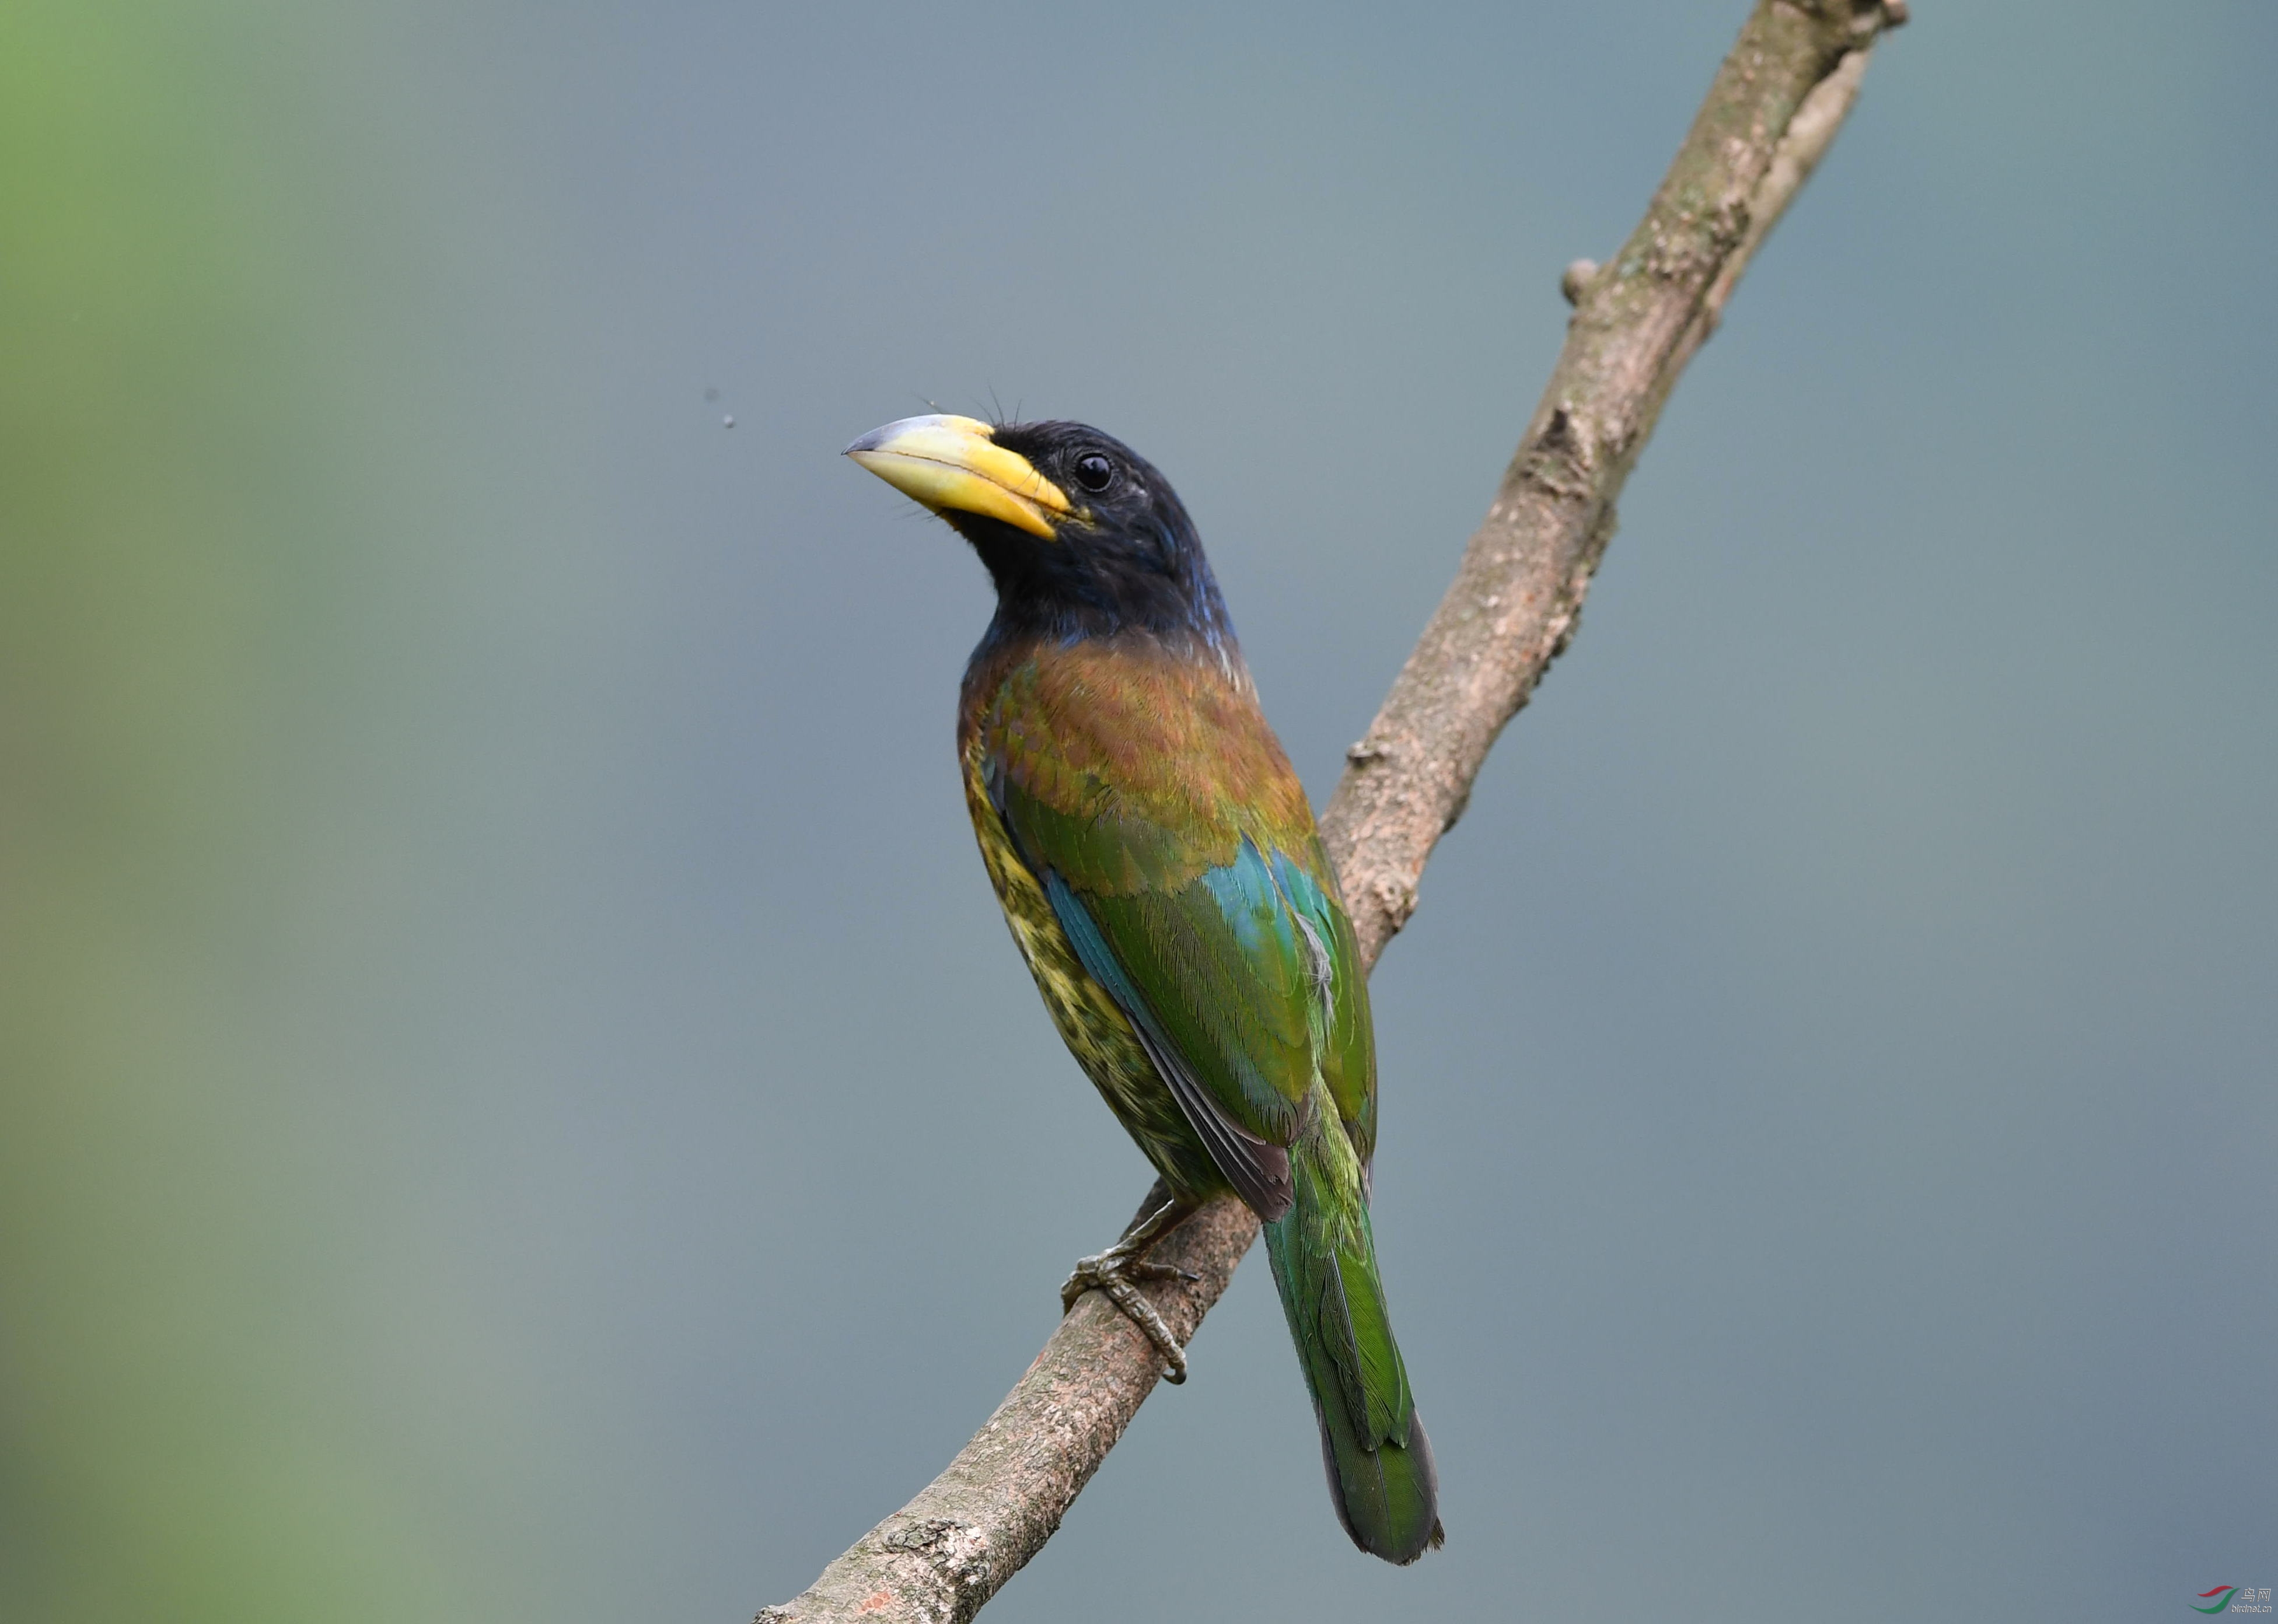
1112 1271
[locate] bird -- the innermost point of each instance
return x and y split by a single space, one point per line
1164 878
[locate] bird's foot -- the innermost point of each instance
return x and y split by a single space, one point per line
1115 1271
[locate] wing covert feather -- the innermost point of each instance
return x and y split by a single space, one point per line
1179 853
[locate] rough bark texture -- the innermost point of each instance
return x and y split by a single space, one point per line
1776 104
948 1551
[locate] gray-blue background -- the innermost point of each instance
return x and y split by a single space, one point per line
616 1155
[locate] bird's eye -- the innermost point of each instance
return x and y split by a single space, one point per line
1094 472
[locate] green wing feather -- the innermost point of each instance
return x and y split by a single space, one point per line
1210 918
1177 851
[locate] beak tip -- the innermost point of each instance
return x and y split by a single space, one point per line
877 438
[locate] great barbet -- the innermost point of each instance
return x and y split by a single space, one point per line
1159 864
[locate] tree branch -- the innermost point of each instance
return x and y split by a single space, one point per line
1777 104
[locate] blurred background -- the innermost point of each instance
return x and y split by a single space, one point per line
516 1101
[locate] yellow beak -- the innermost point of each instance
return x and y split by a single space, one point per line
954 464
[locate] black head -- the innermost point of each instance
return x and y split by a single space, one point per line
1083 535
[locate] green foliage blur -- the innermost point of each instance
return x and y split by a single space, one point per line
178 482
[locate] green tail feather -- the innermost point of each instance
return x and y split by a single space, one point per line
1372 1441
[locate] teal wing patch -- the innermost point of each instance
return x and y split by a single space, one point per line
1225 955
1257 1168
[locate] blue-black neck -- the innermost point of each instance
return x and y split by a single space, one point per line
1149 581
